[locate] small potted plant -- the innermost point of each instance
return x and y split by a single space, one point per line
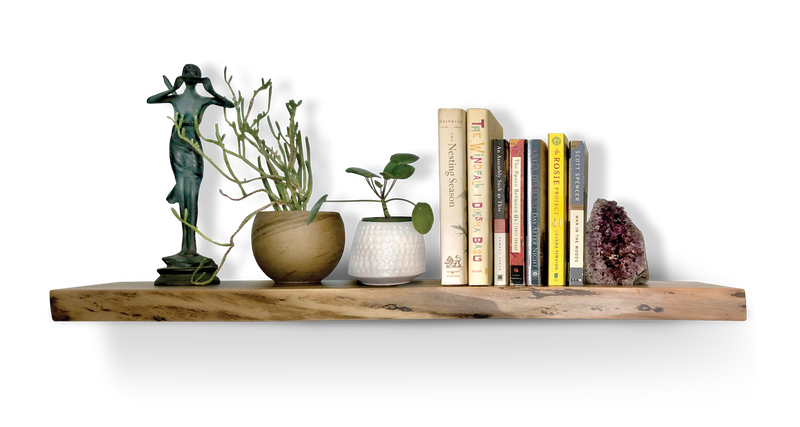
285 248
387 250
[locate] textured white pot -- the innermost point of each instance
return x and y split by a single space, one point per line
386 253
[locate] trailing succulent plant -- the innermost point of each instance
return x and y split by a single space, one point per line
398 168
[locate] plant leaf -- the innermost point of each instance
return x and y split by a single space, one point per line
422 217
378 184
363 172
399 171
404 158
388 170
313 213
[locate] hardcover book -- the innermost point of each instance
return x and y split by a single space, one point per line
453 196
557 209
516 223
482 128
578 190
536 209
500 211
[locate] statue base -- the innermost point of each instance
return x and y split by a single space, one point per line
181 268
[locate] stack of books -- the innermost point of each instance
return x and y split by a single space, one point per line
512 211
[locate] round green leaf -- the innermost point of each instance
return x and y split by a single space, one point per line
404 158
399 171
422 217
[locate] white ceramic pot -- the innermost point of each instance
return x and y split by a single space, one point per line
385 253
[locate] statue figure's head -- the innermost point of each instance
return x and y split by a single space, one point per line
191 74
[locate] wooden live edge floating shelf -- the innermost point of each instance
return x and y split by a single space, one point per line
421 299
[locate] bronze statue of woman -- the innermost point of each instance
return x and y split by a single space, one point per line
187 166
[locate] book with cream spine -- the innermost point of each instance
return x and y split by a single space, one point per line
482 128
453 196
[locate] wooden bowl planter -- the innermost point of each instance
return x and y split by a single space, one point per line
289 251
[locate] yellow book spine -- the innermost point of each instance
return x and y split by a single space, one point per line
557 209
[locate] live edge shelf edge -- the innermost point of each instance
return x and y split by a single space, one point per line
421 299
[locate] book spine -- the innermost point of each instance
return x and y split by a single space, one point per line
482 128
453 196
536 209
557 210
578 191
500 216
517 211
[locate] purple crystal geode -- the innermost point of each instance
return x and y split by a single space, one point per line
615 253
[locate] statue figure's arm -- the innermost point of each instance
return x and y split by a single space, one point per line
168 94
218 99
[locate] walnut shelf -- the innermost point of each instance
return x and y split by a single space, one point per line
422 299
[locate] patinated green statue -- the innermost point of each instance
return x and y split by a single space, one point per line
187 166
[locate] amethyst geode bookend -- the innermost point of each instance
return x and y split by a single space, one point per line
615 252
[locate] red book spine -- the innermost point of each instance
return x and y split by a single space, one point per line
516 215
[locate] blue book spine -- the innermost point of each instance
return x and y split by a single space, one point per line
536 212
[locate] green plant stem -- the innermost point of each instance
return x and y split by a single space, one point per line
194 228
351 201
229 245
382 202
287 167
385 190
177 121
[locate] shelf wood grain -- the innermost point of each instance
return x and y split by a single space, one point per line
423 299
